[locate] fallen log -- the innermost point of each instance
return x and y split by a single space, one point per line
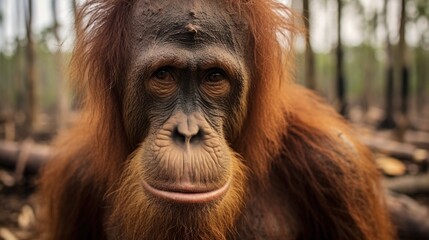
410 218
405 151
24 157
417 138
409 185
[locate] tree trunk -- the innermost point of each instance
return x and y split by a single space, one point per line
368 63
62 96
31 71
2 19
405 72
341 85
421 79
18 75
77 21
388 122
74 6
310 75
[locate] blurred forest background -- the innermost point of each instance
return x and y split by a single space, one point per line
368 58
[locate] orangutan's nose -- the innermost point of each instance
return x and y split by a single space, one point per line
187 131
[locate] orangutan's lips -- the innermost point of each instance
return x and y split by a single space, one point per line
187 194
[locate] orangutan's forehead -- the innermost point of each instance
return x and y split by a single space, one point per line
187 22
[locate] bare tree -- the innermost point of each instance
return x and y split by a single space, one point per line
1 14
310 74
422 76
421 57
62 96
404 69
368 62
18 75
341 82
31 70
422 72
388 122
76 17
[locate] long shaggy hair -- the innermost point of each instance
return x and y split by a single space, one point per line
90 189
135 215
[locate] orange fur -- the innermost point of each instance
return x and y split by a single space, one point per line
308 178
144 219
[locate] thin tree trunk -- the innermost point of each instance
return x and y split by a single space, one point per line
2 13
388 122
3 67
62 96
368 63
31 71
18 76
310 76
341 85
74 5
76 17
421 79
405 72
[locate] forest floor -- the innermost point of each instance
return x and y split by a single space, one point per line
17 208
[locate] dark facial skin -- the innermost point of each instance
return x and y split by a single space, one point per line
185 96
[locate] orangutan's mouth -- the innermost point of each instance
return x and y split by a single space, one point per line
186 193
